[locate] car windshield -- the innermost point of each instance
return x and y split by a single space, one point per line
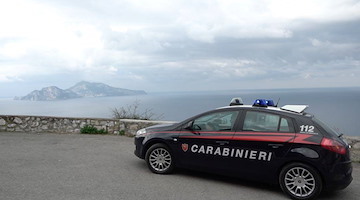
327 128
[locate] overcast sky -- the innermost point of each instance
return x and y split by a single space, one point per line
179 45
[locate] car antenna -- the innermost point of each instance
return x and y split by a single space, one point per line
277 102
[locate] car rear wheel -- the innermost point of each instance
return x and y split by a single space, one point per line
300 181
159 159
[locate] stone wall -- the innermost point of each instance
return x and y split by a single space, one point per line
354 142
43 124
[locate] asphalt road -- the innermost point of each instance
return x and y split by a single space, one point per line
54 167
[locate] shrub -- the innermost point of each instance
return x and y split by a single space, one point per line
132 112
122 132
90 129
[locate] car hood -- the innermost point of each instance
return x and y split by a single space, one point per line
162 127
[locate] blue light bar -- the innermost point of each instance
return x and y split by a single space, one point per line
260 103
270 102
263 103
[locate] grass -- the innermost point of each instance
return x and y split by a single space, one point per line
90 129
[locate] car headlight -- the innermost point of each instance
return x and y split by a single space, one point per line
141 132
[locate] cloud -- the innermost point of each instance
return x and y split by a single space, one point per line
172 44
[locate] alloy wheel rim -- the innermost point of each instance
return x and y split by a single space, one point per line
160 159
300 182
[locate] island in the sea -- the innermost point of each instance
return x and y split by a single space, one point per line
79 90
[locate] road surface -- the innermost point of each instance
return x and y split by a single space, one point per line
75 167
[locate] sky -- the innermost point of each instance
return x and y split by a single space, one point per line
179 45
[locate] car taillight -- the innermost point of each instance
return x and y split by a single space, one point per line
333 145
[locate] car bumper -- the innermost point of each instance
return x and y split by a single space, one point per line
139 147
340 176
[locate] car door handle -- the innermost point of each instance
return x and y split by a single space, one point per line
196 132
275 146
222 142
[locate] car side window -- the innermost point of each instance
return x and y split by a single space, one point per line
286 125
219 121
266 122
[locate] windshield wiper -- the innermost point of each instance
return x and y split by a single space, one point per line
341 134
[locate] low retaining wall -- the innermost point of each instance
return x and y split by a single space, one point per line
44 124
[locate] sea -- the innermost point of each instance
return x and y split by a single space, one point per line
338 107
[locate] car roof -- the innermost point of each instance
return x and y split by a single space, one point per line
290 109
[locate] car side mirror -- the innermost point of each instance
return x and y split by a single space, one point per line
196 127
188 126
191 127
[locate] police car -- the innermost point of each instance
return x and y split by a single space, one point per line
285 146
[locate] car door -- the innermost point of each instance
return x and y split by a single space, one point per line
203 139
261 144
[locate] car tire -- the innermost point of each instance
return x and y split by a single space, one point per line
159 159
300 181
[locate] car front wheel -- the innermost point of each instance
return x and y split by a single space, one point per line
300 181
159 159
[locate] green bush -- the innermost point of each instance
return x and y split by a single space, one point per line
122 132
90 129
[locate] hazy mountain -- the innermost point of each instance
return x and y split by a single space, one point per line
88 89
81 89
49 94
